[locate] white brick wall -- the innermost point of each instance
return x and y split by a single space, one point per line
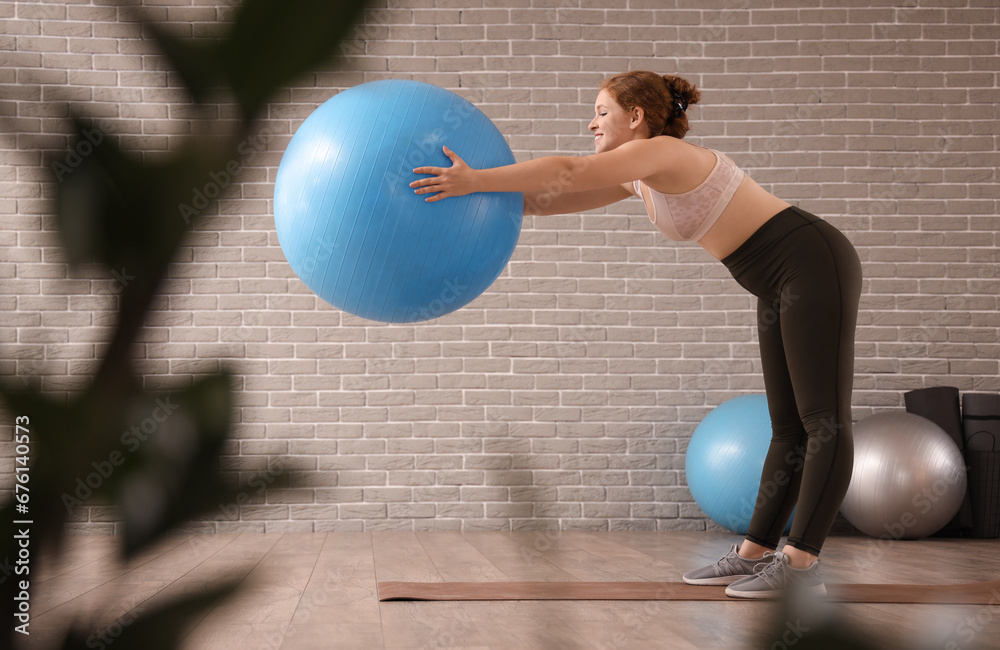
564 396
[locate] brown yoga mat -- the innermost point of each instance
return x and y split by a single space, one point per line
972 593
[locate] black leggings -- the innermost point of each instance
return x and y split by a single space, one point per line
807 278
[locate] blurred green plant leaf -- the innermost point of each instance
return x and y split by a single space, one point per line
197 61
58 445
113 208
118 208
78 453
274 41
43 414
174 474
96 193
160 629
809 622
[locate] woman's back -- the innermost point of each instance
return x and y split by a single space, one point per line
703 196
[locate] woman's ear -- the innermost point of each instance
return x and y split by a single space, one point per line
637 116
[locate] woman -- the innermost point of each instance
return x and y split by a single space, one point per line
805 274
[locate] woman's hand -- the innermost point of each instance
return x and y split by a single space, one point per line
457 180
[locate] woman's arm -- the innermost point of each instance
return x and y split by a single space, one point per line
632 160
549 203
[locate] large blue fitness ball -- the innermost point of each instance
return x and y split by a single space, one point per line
354 231
725 458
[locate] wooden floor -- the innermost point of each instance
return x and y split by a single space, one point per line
303 591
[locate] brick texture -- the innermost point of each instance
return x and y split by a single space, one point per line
565 395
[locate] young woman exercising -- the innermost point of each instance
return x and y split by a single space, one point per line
804 272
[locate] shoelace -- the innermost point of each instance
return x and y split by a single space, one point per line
768 559
773 573
732 558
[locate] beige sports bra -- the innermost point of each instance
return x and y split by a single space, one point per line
689 215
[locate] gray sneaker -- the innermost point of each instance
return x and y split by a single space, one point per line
728 570
777 578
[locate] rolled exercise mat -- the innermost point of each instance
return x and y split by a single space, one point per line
940 405
981 430
972 593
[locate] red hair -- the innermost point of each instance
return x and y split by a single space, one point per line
663 99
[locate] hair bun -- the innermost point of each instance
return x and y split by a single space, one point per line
680 102
683 92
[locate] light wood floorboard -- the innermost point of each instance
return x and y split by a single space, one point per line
340 600
78 551
300 591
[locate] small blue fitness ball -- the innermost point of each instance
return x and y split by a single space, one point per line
354 231
725 459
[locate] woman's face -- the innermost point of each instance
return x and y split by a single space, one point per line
612 126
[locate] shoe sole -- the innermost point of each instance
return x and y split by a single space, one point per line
814 591
715 582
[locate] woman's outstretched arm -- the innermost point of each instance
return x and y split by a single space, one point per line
632 160
549 203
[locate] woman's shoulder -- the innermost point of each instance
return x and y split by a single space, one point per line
673 148
675 159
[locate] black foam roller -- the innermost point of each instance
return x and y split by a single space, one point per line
940 405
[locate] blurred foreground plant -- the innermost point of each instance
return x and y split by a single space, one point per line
115 209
